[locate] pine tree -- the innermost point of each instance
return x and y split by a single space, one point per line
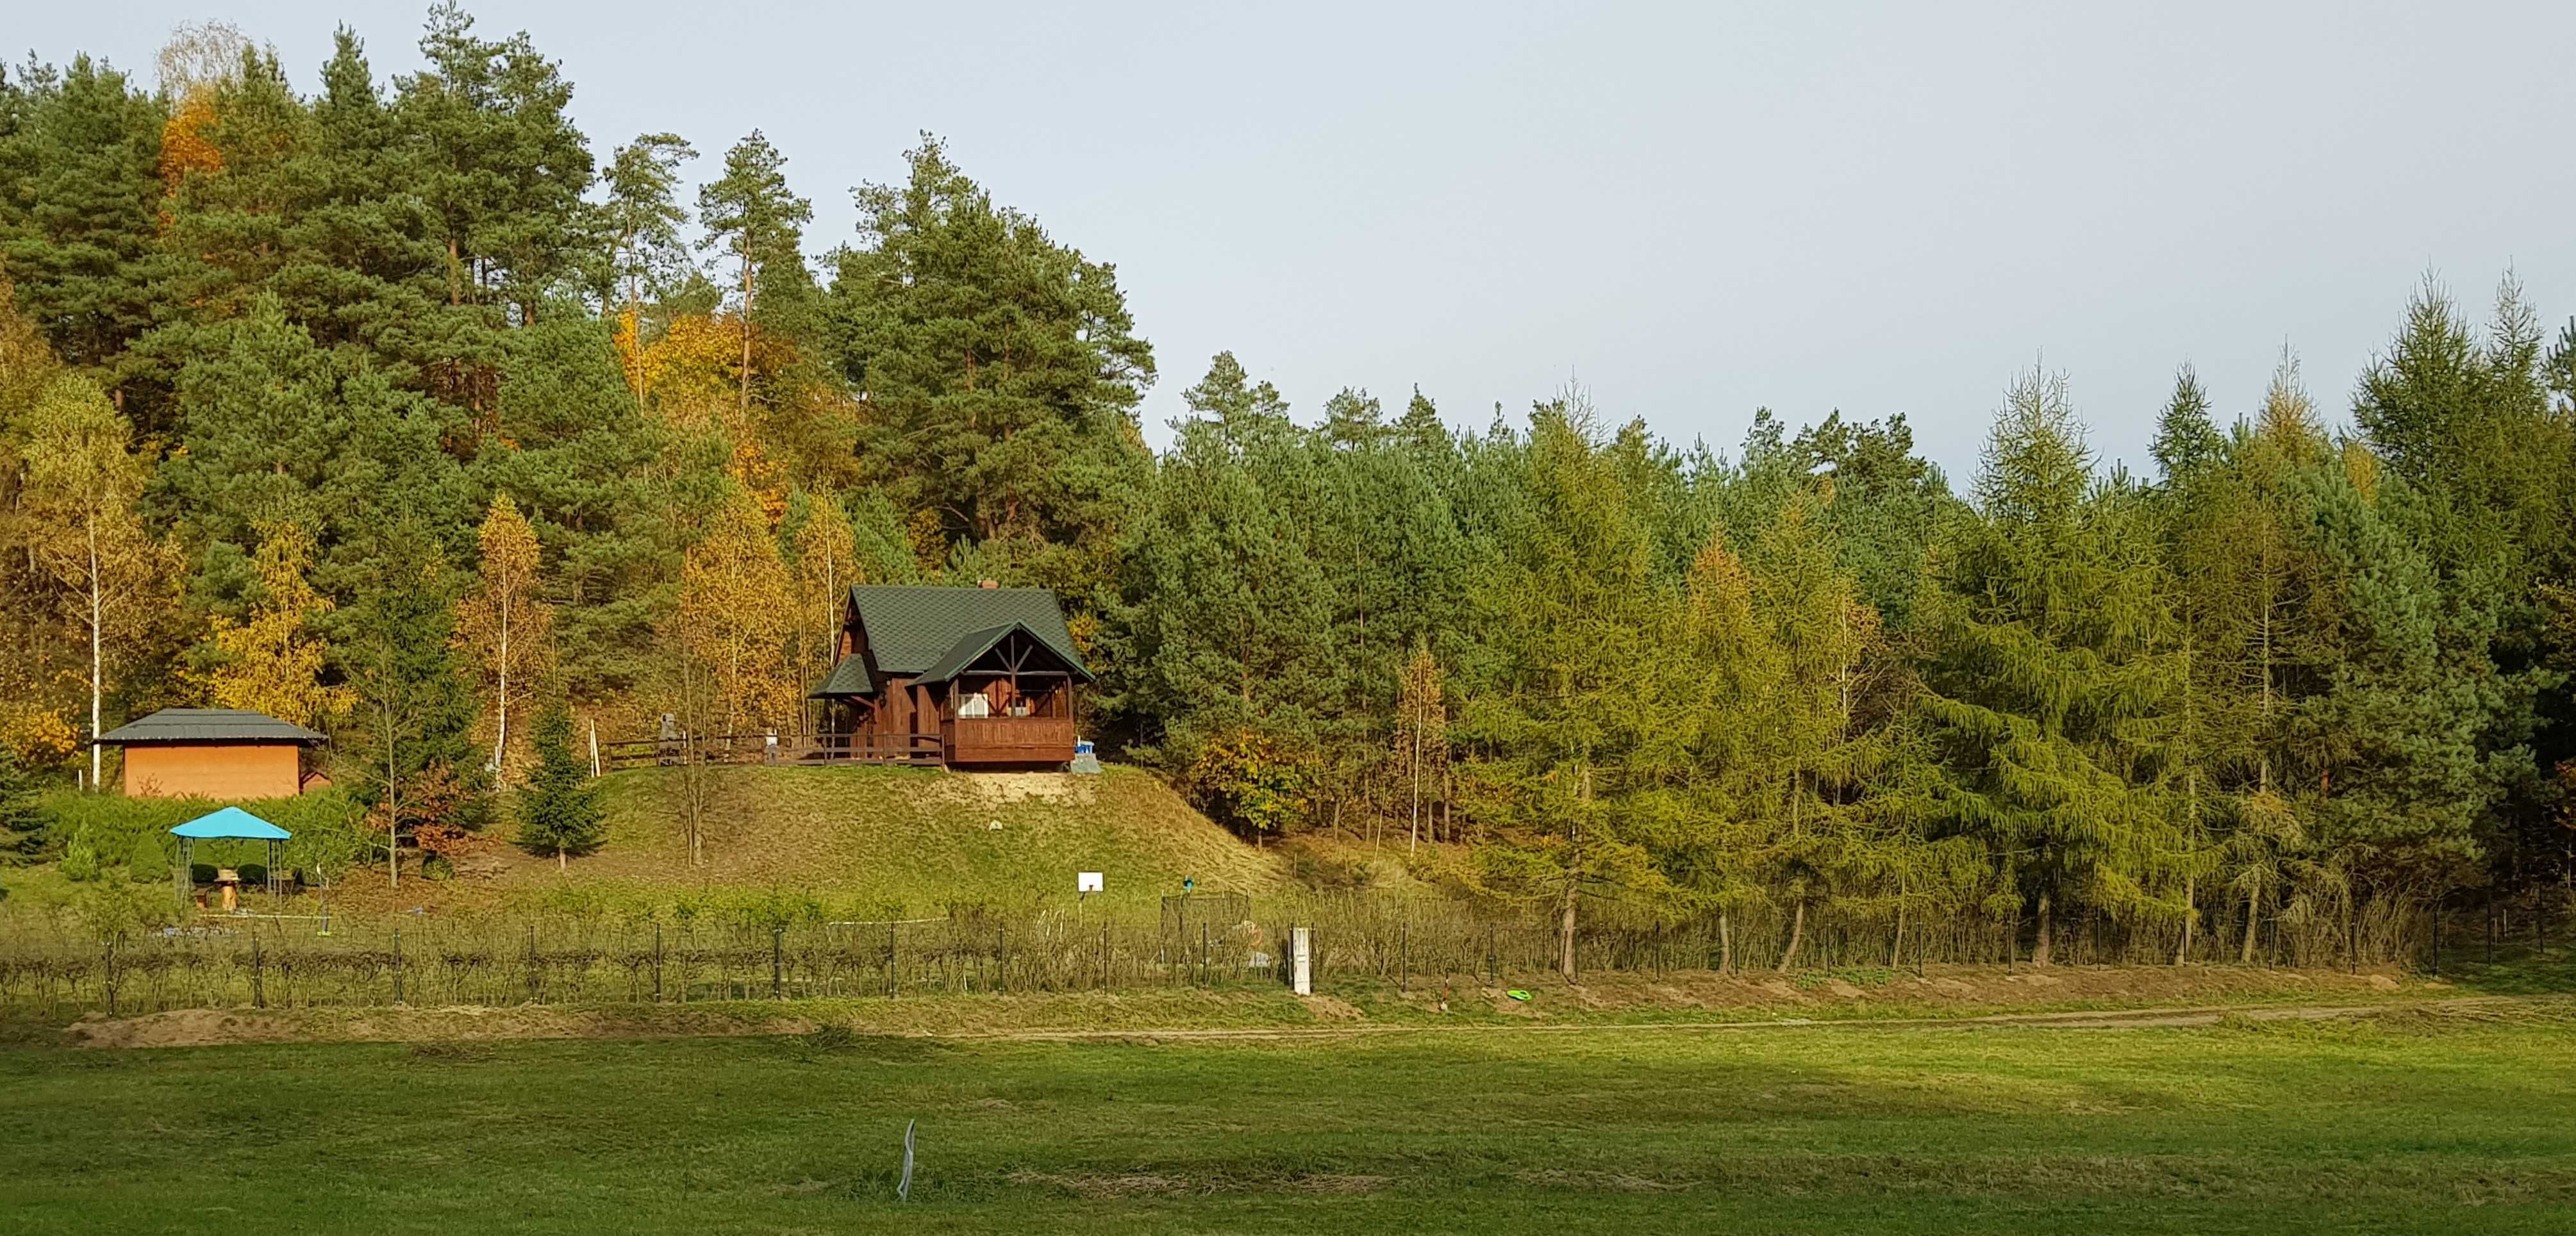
2047 655
1225 636
592 475
79 214
22 820
1001 370
1421 742
751 215
279 429
1585 724
559 810
2186 438
414 747
642 218
502 171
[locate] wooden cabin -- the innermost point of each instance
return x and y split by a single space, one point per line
216 753
979 677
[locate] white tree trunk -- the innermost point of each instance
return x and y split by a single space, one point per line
501 731
97 618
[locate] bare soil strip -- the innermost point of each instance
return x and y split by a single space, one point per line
217 1027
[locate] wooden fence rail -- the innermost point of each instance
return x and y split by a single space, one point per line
766 748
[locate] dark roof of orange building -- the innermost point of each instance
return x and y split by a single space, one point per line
215 725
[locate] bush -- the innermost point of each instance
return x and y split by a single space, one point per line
253 875
80 860
201 873
147 860
329 829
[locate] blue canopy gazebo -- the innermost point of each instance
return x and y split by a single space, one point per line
231 823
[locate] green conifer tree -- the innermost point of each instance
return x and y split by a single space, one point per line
558 808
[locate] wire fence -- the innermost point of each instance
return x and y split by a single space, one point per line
62 970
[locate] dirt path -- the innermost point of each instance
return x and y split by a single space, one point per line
2121 1019
217 1027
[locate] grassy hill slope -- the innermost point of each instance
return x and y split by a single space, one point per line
893 839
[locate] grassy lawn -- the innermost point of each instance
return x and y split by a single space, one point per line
2410 1121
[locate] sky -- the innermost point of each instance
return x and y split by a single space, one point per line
1690 210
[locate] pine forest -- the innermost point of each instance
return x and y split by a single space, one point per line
398 408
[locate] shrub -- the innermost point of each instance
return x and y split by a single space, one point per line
80 860
22 818
328 831
147 860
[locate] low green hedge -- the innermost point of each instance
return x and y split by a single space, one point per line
327 826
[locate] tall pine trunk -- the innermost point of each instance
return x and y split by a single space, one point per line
1797 933
2190 919
1573 879
2253 919
2039 952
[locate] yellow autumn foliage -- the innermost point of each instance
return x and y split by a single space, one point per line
503 627
737 618
272 662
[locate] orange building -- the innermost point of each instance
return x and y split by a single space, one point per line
215 753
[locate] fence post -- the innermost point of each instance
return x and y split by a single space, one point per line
398 990
777 959
111 976
657 963
258 973
1002 957
1404 961
1493 961
891 928
535 984
1104 957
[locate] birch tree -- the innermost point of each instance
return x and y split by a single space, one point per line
735 615
503 624
82 481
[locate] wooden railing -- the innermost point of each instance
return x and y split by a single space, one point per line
772 749
1008 740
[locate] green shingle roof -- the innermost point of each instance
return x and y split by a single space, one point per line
974 644
909 629
848 678
208 725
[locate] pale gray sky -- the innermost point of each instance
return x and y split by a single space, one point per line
1692 209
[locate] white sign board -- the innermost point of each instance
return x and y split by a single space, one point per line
1086 882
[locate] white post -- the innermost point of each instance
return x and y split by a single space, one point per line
594 747
1301 960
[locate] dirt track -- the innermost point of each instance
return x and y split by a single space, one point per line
217 1027
2125 1019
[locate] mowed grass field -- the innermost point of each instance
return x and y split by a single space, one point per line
2454 1120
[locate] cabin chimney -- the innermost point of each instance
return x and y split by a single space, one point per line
988 583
